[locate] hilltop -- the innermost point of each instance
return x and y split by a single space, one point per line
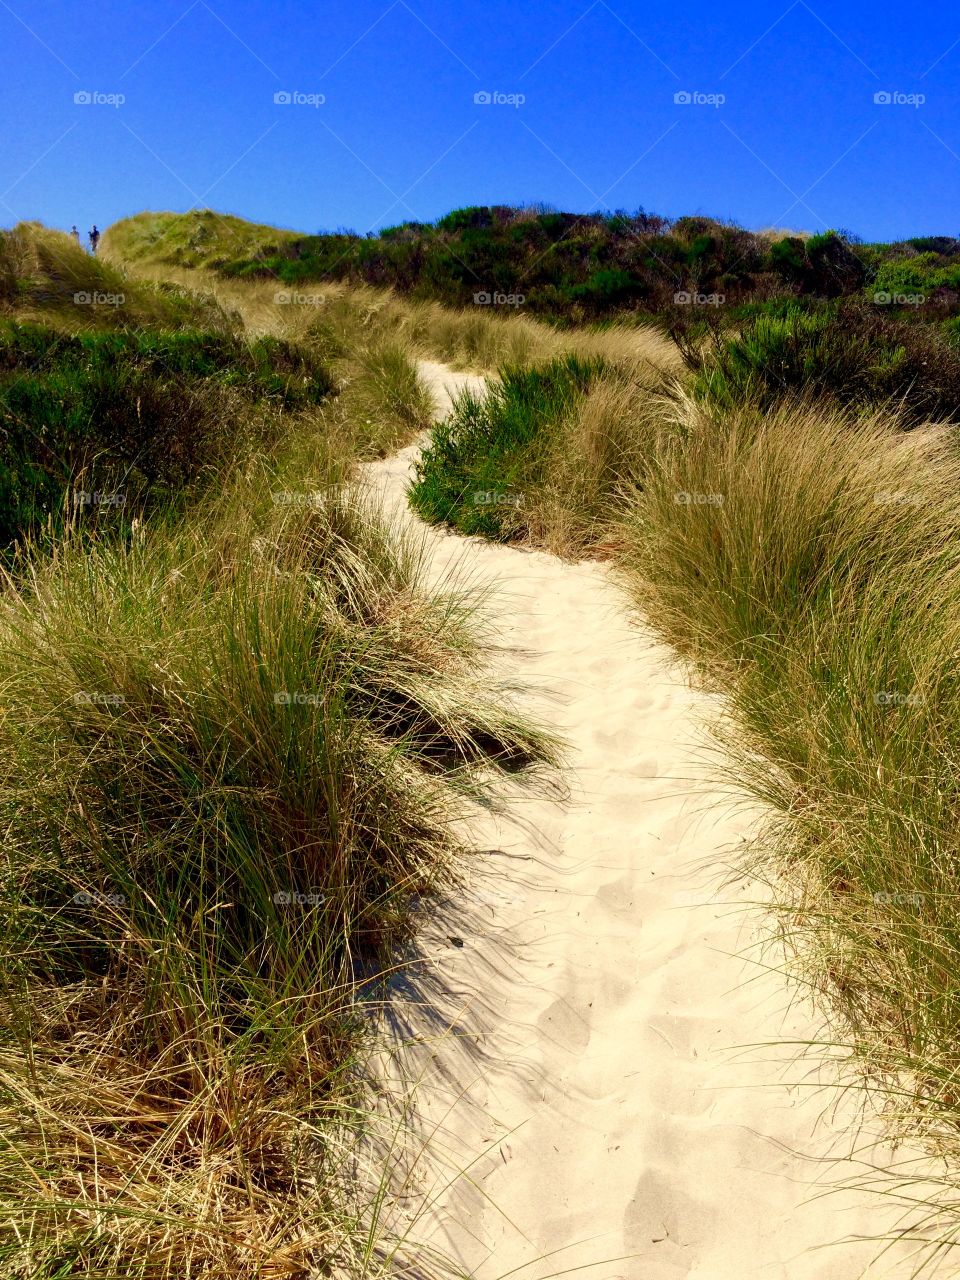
564 266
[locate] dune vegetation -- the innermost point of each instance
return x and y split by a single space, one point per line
236 733
238 729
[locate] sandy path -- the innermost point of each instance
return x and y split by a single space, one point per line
580 1042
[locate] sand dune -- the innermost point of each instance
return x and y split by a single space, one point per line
577 1037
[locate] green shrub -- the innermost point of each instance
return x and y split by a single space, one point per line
103 423
852 354
569 267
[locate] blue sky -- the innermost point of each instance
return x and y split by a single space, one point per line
782 129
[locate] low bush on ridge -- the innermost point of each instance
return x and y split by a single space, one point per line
568 268
103 424
851 354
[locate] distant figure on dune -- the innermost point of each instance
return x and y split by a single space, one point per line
76 235
94 238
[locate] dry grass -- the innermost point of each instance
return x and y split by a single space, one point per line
807 564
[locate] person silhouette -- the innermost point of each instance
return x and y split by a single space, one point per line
75 234
94 238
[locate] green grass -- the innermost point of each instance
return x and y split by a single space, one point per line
135 419
202 238
231 750
568 268
120 396
237 731
547 455
45 275
483 464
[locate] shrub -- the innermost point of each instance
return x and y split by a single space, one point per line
852 354
131 418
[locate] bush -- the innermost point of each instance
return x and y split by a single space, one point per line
849 353
131 419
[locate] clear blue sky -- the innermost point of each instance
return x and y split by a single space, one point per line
799 140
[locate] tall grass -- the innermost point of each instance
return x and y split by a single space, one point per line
483 338
807 564
548 455
45 275
230 753
383 402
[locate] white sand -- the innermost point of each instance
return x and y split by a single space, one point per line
594 1079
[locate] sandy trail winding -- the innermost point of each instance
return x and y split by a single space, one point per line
579 1037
